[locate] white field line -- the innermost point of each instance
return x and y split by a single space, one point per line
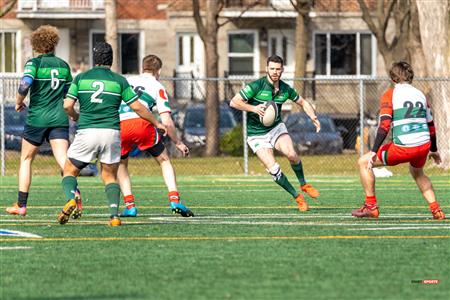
246 216
172 220
401 228
16 248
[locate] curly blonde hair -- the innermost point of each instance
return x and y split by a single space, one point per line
44 39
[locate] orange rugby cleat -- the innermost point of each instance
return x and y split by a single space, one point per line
301 203
366 212
310 190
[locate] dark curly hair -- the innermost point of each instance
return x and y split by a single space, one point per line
44 39
102 54
401 71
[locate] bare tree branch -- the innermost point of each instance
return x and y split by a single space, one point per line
387 13
198 20
7 7
366 17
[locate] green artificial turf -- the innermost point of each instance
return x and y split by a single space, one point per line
247 241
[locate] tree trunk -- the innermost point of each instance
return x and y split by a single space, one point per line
208 34
212 112
434 29
111 30
301 44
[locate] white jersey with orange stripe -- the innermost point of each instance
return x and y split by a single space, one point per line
150 90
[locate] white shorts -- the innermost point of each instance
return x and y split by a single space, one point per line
268 140
91 143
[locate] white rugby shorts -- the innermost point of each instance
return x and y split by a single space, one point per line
267 140
91 143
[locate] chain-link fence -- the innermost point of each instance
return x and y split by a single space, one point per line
344 106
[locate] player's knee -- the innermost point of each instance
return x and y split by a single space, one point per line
292 156
362 162
416 172
275 171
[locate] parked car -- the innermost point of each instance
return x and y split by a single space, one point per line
308 141
14 124
192 125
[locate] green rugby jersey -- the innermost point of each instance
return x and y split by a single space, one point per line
50 76
100 92
260 91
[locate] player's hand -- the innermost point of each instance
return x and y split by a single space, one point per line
161 128
436 157
259 109
182 148
371 157
316 123
20 106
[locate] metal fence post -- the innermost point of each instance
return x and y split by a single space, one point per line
2 127
361 117
244 135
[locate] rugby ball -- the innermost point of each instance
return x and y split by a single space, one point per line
270 114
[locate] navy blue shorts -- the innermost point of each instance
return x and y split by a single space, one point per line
37 135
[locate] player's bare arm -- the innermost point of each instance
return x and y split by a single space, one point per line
69 108
238 103
145 114
166 119
309 110
20 104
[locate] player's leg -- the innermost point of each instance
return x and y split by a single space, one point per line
426 188
123 177
370 208
109 156
286 147
69 184
81 152
159 152
112 190
267 157
59 141
27 155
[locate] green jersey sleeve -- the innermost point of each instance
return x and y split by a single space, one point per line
73 89
30 68
293 95
69 77
249 91
128 94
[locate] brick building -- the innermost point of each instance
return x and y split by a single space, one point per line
341 43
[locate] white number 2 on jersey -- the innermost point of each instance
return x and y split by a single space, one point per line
100 88
55 81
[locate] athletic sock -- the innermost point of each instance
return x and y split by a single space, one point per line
434 206
298 170
69 185
22 199
371 202
174 196
282 181
112 191
129 201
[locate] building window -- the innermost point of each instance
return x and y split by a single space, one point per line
8 52
242 53
344 54
128 44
